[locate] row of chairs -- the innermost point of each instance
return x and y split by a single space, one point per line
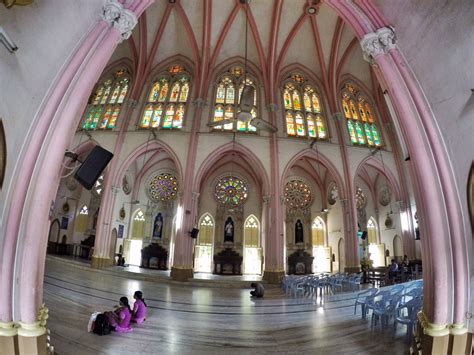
310 284
401 302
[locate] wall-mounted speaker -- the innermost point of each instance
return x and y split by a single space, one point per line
194 233
93 166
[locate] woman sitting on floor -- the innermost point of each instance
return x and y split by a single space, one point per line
139 308
120 318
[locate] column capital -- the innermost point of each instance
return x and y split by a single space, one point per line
431 329
118 17
377 43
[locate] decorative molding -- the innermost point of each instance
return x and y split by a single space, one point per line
120 18
458 329
434 330
31 329
379 42
8 329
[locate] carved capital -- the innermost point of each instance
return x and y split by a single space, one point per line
120 18
377 43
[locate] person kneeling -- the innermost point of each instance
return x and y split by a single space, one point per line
120 318
258 291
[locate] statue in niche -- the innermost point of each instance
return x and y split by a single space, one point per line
229 230
158 226
299 232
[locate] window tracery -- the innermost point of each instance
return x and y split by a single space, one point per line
106 101
167 99
303 110
230 191
297 194
163 187
360 117
227 100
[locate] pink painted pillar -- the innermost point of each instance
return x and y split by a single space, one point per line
66 116
435 243
22 184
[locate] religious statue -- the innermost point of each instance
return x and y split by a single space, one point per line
158 226
229 230
299 232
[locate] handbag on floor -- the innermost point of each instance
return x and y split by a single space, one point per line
90 325
101 325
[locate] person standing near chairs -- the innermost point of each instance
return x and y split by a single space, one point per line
393 270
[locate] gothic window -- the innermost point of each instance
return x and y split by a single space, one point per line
206 230
99 185
84 210
372 231
163 187
106 101
297 194
303 109
317 230
167 99
227 100
82 218
251 232
360 117
230 191
138 229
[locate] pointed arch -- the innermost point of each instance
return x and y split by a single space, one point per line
318 232
252 232
372 231
54 230
397 247
207 226
138 225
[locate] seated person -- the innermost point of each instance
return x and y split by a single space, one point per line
139 308
259 290
392 270
405 263
120 318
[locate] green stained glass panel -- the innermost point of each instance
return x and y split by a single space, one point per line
352 132
147 117
321 128
307 102
360 133
154 92
168 121
105 120
368 134
113 119
97 114
375 134
287 99
311 126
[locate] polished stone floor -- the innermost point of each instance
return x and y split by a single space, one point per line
190 319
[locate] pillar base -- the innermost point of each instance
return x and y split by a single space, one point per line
352 269
181 273
441 339
273 277
8 337
32 345
99 263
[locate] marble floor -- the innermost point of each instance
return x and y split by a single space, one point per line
189 319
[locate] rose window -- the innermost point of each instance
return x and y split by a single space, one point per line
297 194
230 191
163 187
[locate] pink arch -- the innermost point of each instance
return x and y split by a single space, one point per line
383 170
143 149
220 153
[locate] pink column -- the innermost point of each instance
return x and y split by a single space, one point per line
30 158
436 230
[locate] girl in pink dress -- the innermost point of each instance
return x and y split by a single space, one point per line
121 317
139 308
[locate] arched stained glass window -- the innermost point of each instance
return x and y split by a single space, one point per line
227 100
84 210
230 191
372 231
317 231
206 230
99 185
252 232
167 99
303 110
360 118
106 101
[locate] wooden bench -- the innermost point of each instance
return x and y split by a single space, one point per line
377 276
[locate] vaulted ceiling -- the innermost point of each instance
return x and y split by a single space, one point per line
281 33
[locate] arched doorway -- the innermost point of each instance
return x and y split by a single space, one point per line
203 250
252 249
133 244
54 232
321 253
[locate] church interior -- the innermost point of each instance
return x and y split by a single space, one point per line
188 148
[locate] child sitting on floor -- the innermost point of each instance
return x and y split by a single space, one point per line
139 308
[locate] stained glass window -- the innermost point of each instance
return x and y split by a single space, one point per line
359 117
163 187
84 210
230 191
317 230
140 216
297 194
372 231
228 91
302 102
251 232
167 99
206 230
106 102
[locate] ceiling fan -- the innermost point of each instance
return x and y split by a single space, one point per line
246 97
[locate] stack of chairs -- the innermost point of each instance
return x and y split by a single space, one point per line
401 303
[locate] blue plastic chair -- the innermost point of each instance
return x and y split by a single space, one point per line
362 299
